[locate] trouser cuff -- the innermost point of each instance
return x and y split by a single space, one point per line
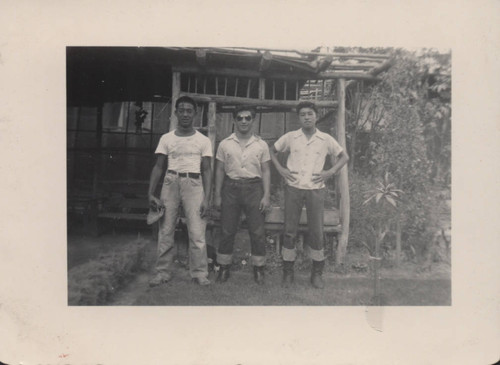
289 254
317 255
224 259
258 260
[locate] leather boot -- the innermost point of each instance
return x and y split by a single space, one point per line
224 273
317 274
258 274
288 275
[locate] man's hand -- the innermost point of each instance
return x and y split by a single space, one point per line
287 175
204 208
323 176
264 204
154 202
217 202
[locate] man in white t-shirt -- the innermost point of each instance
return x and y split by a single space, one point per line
305 184
187 180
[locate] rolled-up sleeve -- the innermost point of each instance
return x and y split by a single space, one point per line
221 155
334 148
281 144
265 156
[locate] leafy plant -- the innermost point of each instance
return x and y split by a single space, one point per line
385 196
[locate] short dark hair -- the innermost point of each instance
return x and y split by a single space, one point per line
306 104
244 108
186 99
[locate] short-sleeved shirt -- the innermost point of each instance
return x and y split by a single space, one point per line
243 160
307 157
184 153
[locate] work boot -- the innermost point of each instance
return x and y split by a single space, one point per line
317 274
288 275
224 273
258 274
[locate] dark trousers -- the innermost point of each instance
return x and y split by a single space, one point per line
237 196
314 201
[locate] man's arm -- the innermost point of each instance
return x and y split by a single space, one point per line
206 175
266 182
283 171
156 174
337 163
219 179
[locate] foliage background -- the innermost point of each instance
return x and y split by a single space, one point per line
401 126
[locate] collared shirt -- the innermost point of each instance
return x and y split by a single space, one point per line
243 160
184 153
307 156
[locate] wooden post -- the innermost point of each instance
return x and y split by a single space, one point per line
97 173
211 127
248 87
262 88
265 61
201 57
176 89
342 179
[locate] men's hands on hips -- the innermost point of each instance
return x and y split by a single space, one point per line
321 177
287 175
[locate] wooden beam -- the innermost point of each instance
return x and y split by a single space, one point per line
236 100
265 61
275 75
234 72
321 65
176 89
342 179
327 75
335 54
383 67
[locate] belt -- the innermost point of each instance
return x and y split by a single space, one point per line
192 175
251 180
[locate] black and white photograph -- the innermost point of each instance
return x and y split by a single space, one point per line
256 176
249 182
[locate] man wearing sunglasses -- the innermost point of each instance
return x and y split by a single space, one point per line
187 180
305 178
242 183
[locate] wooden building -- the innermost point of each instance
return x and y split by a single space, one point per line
110 149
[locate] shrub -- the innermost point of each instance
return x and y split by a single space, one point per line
94 282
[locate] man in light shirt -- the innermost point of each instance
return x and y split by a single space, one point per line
187 180
242 182
305 178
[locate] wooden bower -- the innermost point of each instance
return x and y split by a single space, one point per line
225 87
220 79
225 95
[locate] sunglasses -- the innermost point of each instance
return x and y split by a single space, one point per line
247 118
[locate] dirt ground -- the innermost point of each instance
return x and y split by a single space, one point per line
407 285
